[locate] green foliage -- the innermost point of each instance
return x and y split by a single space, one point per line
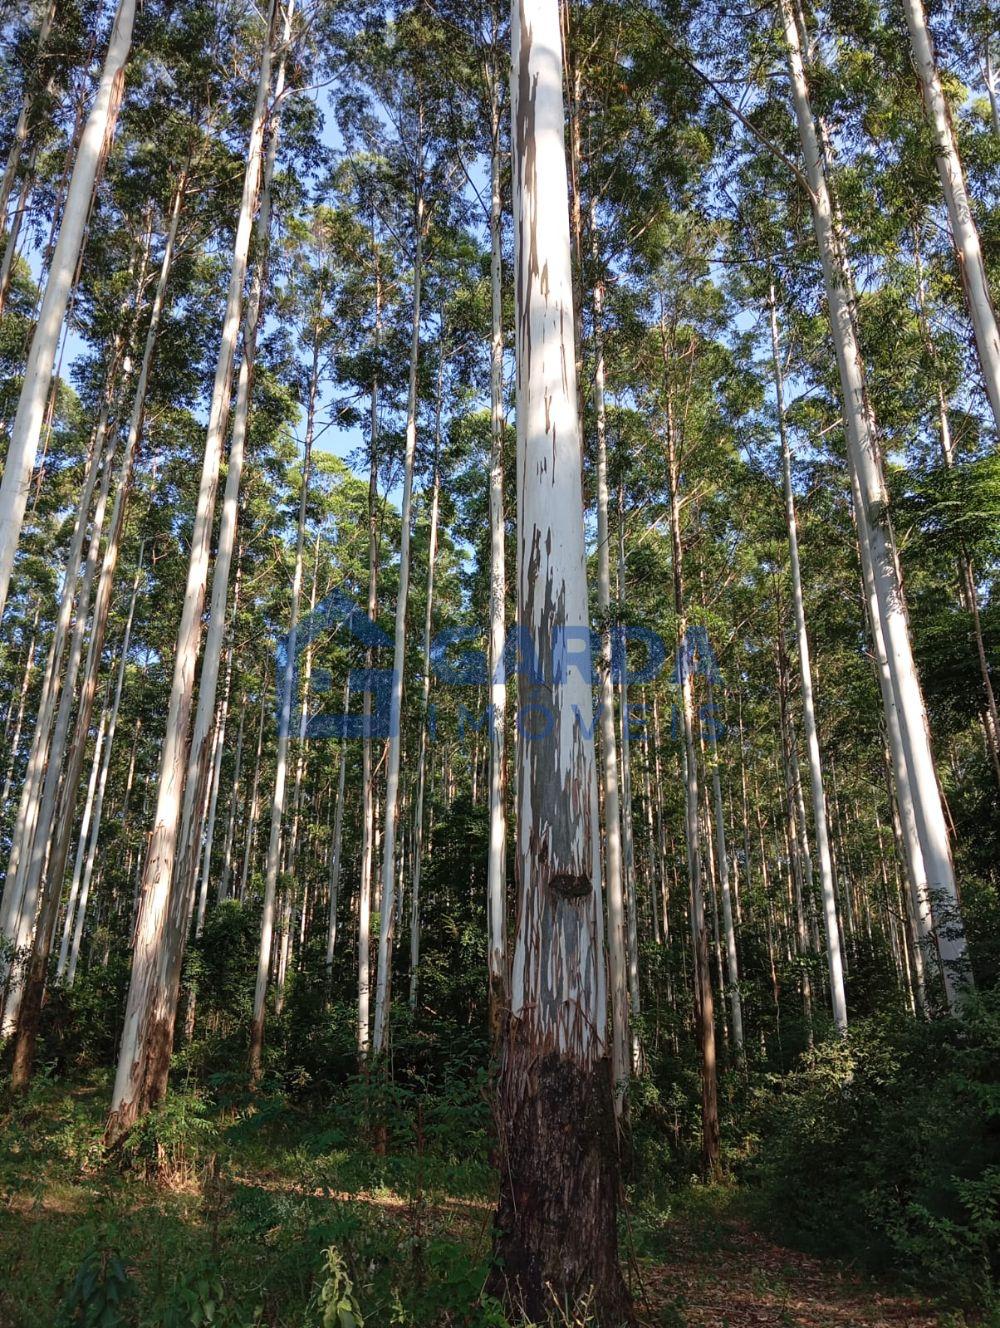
175 1139
335 1299
885 1148
97 1298
200 1299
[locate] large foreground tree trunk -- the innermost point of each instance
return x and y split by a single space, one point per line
555 1236
496 876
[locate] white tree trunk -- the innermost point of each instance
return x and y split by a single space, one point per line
387 903
617 974
368 812
555 1226
838 998
251 829
144 1053
877 541
15 737
963 227
418 815
35 850
225 875
21 128
199 757
95 830
81 848
27 811
280 776
704 1004
496 871
628 839
213 801
722 857
337 846
97 136
64 812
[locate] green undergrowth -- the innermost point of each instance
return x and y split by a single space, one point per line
213 1214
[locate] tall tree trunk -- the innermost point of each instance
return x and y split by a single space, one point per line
281 766
418 815
27 811
68 960
147 1035
628 841
704 1002
617 963
960 219
199 764
967 591
15 738
213 799
84 835
722 855
555 1232
877 542
336 854
234 797
27 427
35 849
496 872
367 766
838 998
64 811
23 126
388 901
991 82
254 799
14 232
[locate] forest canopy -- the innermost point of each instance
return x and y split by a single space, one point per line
499 622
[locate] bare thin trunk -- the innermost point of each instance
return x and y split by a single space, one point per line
27 426
418 816
280 771
88 869
387 903
838 998
964 232
614 892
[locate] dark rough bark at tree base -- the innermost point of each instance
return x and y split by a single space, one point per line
555 1238
152 1088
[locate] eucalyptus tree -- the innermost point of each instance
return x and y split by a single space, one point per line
876 538
145 1046
961 218
27 427
555 1229
412 189
308 302
837 994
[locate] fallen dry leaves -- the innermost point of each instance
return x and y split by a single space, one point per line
747 1282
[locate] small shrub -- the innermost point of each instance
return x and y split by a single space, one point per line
100 1289
175 1140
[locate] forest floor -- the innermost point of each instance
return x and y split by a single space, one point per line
228 1225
